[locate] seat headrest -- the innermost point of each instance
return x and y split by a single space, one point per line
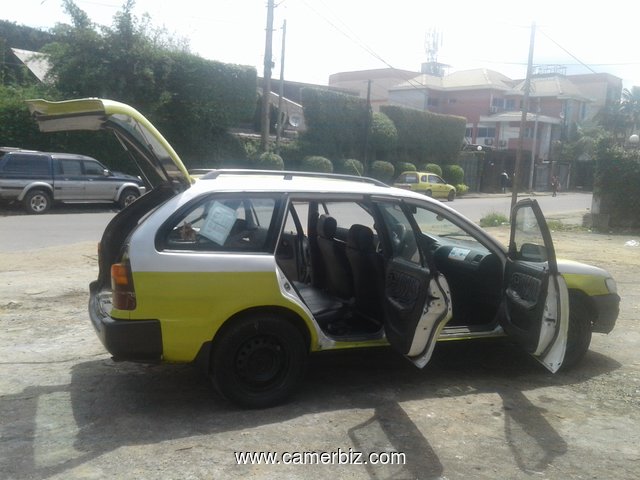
327 226
360 237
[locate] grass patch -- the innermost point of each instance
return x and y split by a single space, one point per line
494 219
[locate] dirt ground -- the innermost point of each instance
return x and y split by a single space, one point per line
479 410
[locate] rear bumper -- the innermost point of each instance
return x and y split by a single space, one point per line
607 308
125 340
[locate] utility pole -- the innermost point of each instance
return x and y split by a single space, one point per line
266 81
523 119
534 147
281 114
367 126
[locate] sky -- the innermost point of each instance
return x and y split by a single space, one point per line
330 36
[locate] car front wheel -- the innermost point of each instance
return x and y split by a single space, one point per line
452 196
258 360
579 334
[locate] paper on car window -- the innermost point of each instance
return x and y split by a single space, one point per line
218 223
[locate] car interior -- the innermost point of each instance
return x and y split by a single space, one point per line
336 260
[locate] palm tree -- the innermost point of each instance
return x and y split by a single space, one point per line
630 108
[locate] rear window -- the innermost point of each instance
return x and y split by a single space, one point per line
27 165
408 178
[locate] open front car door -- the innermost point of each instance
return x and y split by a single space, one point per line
417 298
536 299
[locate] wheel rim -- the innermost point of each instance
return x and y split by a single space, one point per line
38 203
129 199
260 362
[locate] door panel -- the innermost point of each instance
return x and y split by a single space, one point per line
535 312
98 186
417 298
69 181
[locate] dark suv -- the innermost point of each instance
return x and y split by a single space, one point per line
37 179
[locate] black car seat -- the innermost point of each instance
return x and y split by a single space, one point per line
367 267
338 278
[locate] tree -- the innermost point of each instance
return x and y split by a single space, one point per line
630 108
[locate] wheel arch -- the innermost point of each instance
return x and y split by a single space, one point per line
576 295
36 186
203 358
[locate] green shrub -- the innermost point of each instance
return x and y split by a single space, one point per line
316 163
493 219
382 171
433 168
453 174
270 161
351 166
405 167
461 189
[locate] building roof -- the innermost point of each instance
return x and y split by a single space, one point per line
558 86
479 78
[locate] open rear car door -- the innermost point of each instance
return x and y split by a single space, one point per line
536 299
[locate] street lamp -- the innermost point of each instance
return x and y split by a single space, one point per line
634 140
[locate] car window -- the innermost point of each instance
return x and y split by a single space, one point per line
93 168
528 240
301 209
223 223
408 178
435 179
70 167
349 213
27 165
400 233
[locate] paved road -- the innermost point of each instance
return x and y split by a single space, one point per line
476 208
79 224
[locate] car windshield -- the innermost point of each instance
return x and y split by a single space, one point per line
443 230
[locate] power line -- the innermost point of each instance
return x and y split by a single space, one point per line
568 52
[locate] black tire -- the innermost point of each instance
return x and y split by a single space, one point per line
452 196
127 197
429 193
258 360
37 201
579 334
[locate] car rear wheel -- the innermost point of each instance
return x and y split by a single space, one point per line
128 197
37 201
579 334
258 360
429 193
452 196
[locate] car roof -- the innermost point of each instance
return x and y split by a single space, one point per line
52 154
289 181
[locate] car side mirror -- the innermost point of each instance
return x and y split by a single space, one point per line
533 253
106 172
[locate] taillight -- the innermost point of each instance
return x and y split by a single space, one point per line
123 295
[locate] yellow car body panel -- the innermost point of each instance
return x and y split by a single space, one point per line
192 306
586 283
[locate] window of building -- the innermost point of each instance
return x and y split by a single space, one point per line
487 132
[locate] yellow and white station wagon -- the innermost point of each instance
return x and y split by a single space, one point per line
249 272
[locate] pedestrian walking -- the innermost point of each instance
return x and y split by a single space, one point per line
504 181
555 184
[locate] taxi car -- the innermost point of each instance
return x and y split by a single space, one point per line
248 272
427 183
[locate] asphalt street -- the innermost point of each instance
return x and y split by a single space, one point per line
67 225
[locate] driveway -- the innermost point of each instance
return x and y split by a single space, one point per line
479 410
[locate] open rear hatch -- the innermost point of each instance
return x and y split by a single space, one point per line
158 163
